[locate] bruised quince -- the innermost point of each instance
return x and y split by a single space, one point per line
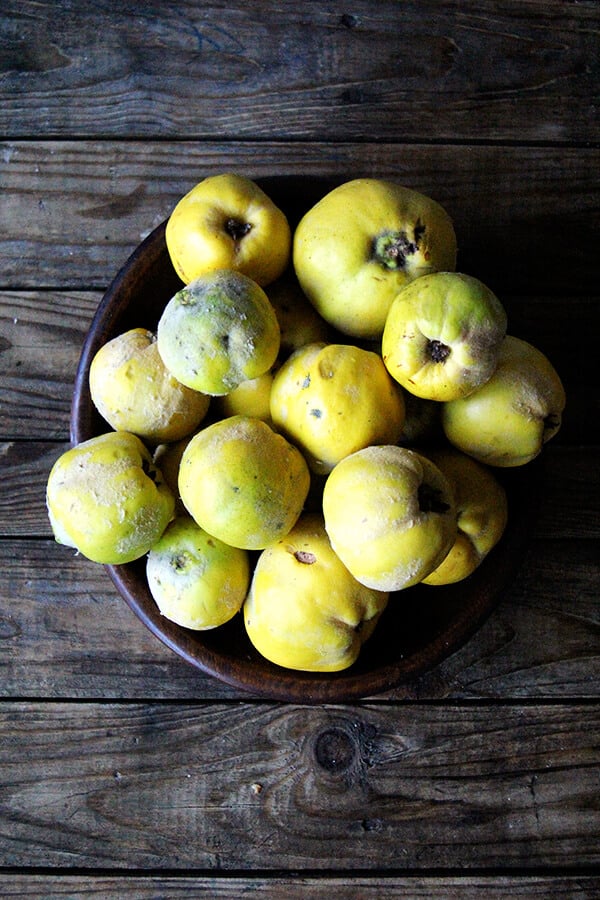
217 332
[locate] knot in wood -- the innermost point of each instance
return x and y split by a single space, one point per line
335 750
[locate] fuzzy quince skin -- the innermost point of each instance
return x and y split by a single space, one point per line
242 482
390 515
106 498
442 336
361 243
228 222
133 390
333 399
217 332
506 422
305 611
482 514
196 580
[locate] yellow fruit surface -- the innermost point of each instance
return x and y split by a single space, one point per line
442 335
390 515
217 332
361 243
242 482
228 222
249 398
196 580
482 514
305 611
333 399
134 391
106 498
507 421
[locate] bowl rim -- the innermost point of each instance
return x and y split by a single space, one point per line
480 593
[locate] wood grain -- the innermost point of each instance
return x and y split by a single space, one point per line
41 336
300 887
367 788
525 71
527 218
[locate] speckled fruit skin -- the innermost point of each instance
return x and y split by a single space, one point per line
228 222
482 514
195 579
361 243
443 335
217 332
506 422
390 516
106 498
133 390
304 610
333 399
242 482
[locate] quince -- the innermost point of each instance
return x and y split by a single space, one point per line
106 498
242 482
333 399
361 243
218 331
390 515
228 222
250 398
305 610
196 580
507 421
442 336
482 514
133 390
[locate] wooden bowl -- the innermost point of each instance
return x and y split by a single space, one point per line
421 625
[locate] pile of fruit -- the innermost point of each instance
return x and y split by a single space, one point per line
315 424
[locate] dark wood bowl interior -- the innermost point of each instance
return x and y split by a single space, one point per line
420 627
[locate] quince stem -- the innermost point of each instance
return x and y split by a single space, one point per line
391 248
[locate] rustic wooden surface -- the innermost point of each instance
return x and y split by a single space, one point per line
125 773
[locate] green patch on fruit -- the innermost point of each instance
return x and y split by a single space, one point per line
218 332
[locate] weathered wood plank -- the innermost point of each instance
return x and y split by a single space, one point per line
300 887
42 333
66 633
365 788
527 218
525 71
41 336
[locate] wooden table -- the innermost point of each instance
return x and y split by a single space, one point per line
125 772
